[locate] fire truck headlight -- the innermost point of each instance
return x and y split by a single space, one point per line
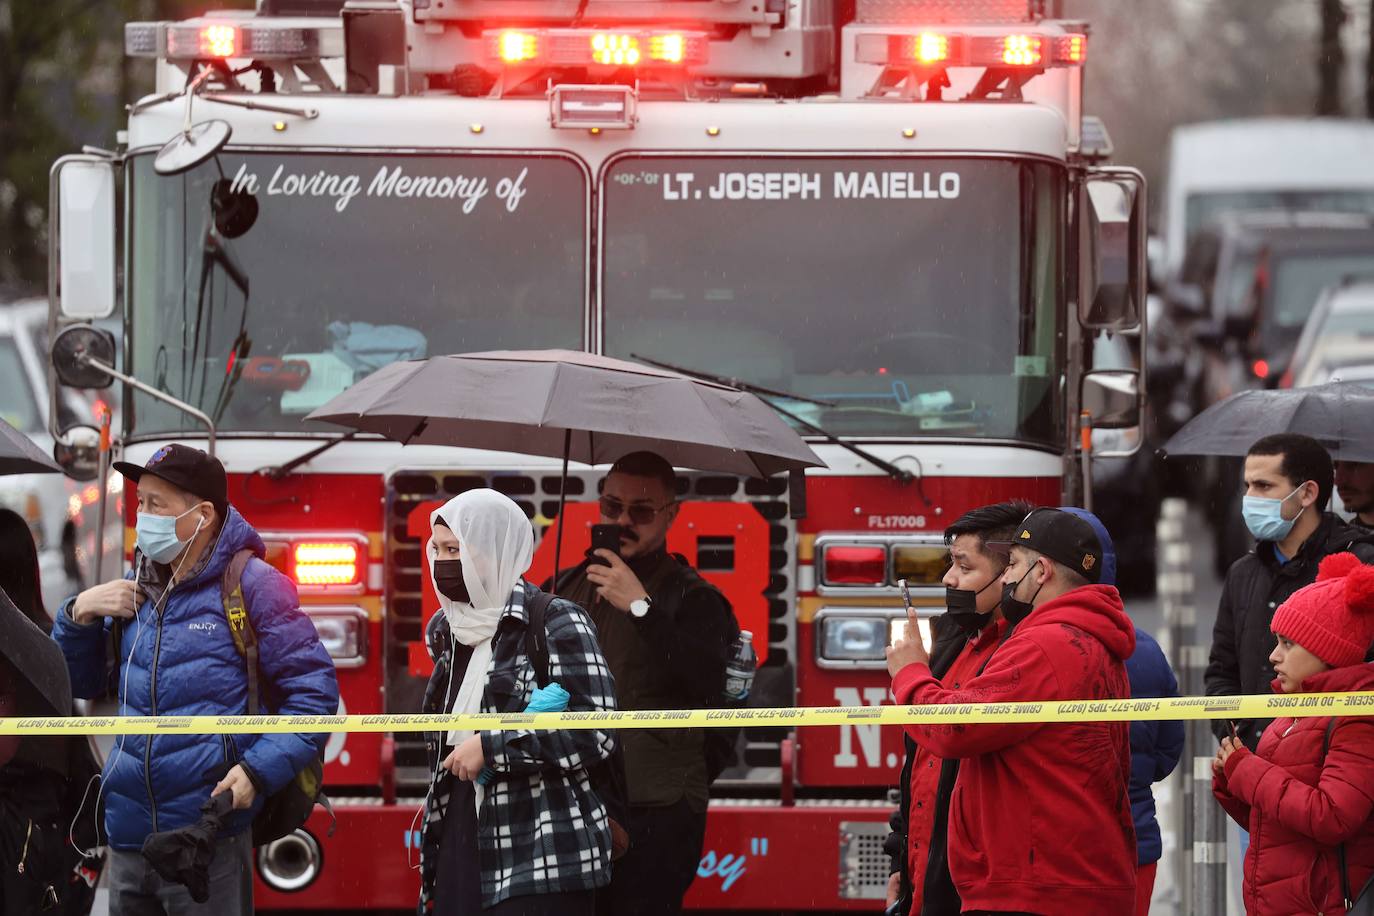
853 639
343 633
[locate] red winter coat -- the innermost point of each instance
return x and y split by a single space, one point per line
1040 820
1299 808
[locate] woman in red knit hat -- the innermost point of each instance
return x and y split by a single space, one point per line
1307 792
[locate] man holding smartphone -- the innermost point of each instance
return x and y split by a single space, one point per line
666 633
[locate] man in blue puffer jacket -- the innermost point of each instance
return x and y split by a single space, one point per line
177 658
1155 746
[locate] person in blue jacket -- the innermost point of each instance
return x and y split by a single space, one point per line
1155 746
178 658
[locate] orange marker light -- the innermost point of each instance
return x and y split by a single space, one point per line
518 47
1073 49
219 41
328 563
1021 50
932 48
668 49
615 50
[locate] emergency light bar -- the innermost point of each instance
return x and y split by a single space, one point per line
595 47
211 39
1027 50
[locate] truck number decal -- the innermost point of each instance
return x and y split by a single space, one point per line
870 736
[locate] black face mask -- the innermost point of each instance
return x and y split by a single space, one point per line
1014 609
448 576
962 604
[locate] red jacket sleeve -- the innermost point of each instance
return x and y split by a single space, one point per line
1019 672
1237 809
1330 812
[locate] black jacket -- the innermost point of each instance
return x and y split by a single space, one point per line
939 898
1255 587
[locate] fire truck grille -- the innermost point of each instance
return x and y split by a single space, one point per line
536 493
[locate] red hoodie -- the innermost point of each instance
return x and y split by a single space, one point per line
1299 806
1040 820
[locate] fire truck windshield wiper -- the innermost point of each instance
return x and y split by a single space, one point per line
281 470
766 395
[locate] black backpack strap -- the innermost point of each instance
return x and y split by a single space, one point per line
537 637
240 627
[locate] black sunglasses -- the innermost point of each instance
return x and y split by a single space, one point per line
640 513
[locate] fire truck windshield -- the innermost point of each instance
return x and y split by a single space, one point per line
919 296
261 288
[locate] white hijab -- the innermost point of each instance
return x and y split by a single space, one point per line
495 547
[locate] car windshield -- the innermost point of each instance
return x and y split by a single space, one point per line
917 297
18 406
1206 208
1298 278
310 271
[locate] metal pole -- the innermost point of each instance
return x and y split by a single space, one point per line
1085 445
1174 586
86 360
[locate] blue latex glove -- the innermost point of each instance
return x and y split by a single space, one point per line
552 698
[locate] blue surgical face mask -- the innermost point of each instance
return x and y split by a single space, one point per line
157 535
1264 517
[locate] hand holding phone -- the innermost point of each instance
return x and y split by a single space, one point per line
604 537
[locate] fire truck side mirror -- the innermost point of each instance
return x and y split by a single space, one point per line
77 451
82 236
1112 398
1112 249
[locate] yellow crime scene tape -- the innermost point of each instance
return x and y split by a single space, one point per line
1234 707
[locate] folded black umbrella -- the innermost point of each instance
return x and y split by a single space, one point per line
43 687
184 855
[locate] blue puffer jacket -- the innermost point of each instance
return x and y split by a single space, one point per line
185 664
1155 746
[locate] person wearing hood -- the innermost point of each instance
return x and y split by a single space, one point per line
1288 483
1155 746
530 836
1306 792
1040 819
177 657
964 637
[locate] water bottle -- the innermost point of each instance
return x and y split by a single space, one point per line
739 670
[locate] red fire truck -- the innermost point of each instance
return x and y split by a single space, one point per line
889 216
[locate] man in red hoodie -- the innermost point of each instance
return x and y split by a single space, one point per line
1040 820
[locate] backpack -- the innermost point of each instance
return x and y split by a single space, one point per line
608 776
291 806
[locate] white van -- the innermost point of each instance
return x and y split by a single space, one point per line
1218 167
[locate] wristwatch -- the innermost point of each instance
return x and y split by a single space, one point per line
640 606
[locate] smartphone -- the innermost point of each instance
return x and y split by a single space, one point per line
906 593
604 537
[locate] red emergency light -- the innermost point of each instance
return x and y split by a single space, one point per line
595 47
218 41
326 563
1022 50
854 564
1026 50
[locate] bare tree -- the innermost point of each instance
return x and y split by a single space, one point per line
1330 58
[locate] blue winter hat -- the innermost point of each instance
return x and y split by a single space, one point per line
1108 576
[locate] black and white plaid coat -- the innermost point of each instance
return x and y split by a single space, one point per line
542 829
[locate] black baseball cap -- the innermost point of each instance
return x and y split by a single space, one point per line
188 468
1064 538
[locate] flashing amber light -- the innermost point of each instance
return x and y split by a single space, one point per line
325 563
615 50
518 47
670 48
1021 51
859 564
1073 49
1261 368
219 41
932 48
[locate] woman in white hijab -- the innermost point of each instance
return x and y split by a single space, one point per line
532 836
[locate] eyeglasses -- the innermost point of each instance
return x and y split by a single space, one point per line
640 513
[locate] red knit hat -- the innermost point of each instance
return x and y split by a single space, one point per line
1333 618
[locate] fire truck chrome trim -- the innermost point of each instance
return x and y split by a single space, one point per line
289 540
886 541
887 617
348 615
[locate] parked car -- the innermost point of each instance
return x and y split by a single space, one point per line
1339 335
62 513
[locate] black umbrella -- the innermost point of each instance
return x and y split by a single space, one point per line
578 406
18 454
1339 415
183 856
43 688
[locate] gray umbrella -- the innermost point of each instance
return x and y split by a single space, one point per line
18 454
1339 415
562 403
573 405
43 688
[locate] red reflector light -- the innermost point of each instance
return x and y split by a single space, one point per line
1021 51
854 565
517 47
325 563
1261 368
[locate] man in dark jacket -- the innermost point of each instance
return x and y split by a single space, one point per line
1040 819
965 637
1288 482
178 658
1355 486
666 634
